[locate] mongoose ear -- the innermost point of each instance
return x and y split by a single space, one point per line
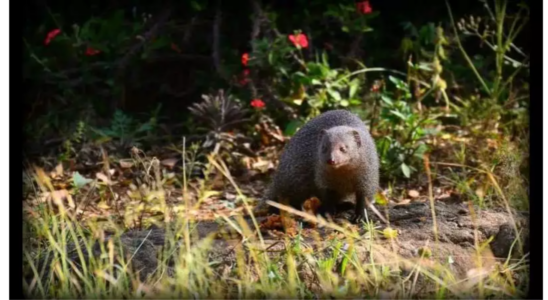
357 138
322 133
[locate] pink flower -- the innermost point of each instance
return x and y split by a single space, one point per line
300 40
257 103
364 7
90 51
52 34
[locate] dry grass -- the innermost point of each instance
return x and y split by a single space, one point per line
185 267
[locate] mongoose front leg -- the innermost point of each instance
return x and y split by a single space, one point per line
359 212
361 200
328 202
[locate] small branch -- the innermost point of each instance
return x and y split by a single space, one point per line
188 31
216 54
355 45
310 40
256 30
145 38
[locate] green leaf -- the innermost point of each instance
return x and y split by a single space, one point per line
292 127
196 5
400 84
344 103
424 66
405 170
316 82
387 100
354 84
345 29
381 199
398 114
355 101
144 127
79 180
335 94
421 149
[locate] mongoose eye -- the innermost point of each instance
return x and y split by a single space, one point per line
343 149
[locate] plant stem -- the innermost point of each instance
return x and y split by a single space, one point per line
500 11
470 63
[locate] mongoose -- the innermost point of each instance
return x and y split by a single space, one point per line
332 157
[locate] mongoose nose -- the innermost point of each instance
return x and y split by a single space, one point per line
330 161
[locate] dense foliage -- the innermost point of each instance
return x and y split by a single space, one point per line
443 87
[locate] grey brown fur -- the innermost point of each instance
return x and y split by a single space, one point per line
306 167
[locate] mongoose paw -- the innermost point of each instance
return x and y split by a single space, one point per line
357 218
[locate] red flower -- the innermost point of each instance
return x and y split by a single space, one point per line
175 48
257 103
245 59
52 34
300 40
243 77
364 7
90 51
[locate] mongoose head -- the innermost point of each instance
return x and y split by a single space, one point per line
339 146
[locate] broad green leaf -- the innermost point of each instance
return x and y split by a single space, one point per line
387 100
398 114
405 170
344 103
292 127
335 94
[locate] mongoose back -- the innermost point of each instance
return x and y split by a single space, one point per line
332 157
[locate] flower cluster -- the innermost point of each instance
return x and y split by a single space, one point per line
244 78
